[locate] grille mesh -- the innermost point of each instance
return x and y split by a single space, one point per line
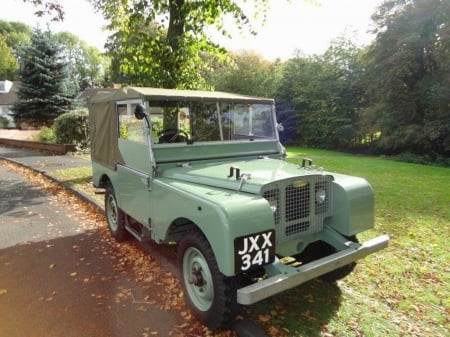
298 207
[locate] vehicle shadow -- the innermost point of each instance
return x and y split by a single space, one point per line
301 311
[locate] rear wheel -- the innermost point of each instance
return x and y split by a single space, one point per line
115 216
210 294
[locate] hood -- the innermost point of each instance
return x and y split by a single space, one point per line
259 172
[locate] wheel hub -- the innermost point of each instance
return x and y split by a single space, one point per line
196 278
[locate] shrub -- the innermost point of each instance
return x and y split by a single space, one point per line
46 135
73 128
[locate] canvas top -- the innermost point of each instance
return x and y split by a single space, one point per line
173 95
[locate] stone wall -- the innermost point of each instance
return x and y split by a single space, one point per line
40 146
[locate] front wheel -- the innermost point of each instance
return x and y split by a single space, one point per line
115 216
210 294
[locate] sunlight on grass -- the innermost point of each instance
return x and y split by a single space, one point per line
402 290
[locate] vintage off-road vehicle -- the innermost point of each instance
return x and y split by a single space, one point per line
207 170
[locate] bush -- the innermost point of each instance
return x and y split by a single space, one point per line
73 128
429 159
45 135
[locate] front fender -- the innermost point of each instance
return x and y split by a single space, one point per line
353 205
221 215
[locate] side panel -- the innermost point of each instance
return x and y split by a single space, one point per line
353 205
133 193
221 215
99 170
134 180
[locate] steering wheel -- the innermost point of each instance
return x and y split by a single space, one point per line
173 136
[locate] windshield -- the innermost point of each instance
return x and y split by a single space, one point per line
174 122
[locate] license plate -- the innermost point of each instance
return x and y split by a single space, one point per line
254 250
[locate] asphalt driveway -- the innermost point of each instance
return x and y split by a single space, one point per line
60 276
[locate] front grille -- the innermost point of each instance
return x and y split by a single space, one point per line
300 205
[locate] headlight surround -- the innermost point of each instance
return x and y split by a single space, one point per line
273 202
321 195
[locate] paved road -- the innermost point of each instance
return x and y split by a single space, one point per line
59 275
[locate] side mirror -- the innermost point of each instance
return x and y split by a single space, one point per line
280 127
139 111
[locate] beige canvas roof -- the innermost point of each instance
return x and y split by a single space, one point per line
103 118
173 95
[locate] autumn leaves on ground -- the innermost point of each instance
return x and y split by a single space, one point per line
400 291
157 284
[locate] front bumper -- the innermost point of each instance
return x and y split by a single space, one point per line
291 277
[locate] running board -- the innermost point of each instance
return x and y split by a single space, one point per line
136 234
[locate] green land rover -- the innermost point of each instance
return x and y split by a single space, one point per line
206 170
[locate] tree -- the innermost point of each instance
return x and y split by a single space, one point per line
322 94
43 93
8 64
48 7
17 35
172 58
408 76
130 67
86 64
248 74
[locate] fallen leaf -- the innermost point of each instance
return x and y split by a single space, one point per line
264 318
3 291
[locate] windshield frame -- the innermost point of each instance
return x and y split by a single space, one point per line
212 121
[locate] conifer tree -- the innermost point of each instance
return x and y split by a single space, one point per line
43 93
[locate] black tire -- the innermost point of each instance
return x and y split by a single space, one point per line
115 217
210 294
340 273
321 249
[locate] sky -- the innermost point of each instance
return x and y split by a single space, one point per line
299 25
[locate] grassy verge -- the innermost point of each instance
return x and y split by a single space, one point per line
400 291
80 178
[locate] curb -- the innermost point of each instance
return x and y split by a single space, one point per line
80 194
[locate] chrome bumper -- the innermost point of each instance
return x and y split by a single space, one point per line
292 277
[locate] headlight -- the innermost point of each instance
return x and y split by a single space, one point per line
321 196
273 202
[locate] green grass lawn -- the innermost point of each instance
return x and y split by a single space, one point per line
403 290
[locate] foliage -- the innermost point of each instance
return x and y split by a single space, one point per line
17 35
171 56
408 157
46 135
8 65
13 37
408 76
248 74
3 122
43 93
86 65
324 93
52 8
73 128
